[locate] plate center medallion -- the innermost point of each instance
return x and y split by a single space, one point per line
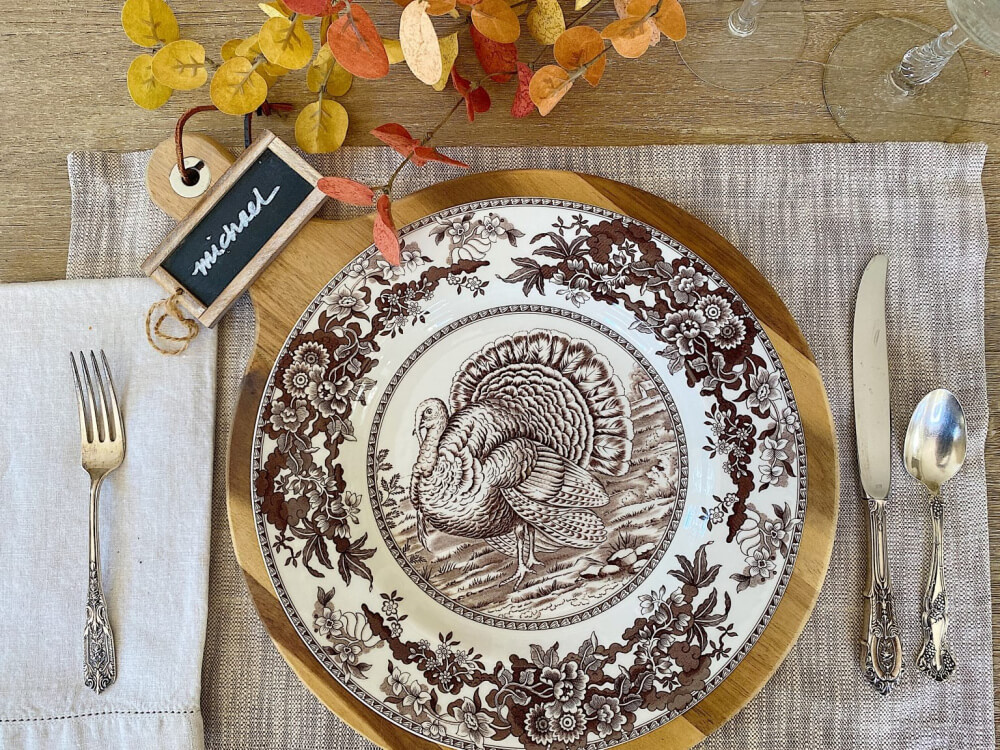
546 472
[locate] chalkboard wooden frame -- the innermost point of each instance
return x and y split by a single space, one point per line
210 314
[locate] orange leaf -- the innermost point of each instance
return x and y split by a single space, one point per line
548 86
670 20
497 60
638 11
384 231
434 7
396 137
424 154
311 7
578 46
639 8
347 191
477 100
358 46
440 7
523 106
496 20
630 36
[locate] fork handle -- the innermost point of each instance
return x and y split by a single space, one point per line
99 666
883 651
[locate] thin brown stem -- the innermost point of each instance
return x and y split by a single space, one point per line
387 188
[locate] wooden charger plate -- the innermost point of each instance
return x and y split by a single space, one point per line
323 248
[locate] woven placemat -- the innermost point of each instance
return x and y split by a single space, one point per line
809 217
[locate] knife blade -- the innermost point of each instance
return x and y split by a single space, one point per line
871 380
882 651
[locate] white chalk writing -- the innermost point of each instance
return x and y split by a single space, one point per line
231 231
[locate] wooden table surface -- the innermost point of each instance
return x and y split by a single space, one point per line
63 87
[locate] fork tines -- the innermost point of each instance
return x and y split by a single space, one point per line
100 419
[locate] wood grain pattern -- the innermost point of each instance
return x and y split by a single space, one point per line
296 276
46 111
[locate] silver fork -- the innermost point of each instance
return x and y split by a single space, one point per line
102 437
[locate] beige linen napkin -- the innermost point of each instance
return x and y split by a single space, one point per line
155 518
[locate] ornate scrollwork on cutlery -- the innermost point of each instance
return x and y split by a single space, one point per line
934 658
99 667
883 648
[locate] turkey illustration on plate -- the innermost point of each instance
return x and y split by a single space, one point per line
539 486
534 419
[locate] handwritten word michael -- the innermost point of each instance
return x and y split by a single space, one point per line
231 231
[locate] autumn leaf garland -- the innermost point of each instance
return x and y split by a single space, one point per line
350 46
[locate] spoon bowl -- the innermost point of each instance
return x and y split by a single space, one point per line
935 440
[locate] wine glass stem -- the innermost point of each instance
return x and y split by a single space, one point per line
743 20
922 64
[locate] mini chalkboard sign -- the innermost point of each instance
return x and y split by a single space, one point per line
240 226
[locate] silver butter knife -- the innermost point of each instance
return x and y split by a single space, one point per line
882 652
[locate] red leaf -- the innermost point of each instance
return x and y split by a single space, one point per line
497 59
461 84
477 100
523 106
347 191
358 46
397 137
426 154
384 232
312 7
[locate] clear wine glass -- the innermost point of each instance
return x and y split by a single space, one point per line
893 79
745 45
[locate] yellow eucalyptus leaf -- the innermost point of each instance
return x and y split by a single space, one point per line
144 89
321 127
181 65
249 47
545 22
273 10
286 43
325 68
149 23
449 53
419 42
229 49
393 50
581 4
271 69
319 68
237 88
340 81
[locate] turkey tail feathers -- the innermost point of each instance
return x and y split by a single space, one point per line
563 391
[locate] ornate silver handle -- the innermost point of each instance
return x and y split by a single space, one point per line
99 667
935 657
883 652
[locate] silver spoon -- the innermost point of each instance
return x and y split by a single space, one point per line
934 451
